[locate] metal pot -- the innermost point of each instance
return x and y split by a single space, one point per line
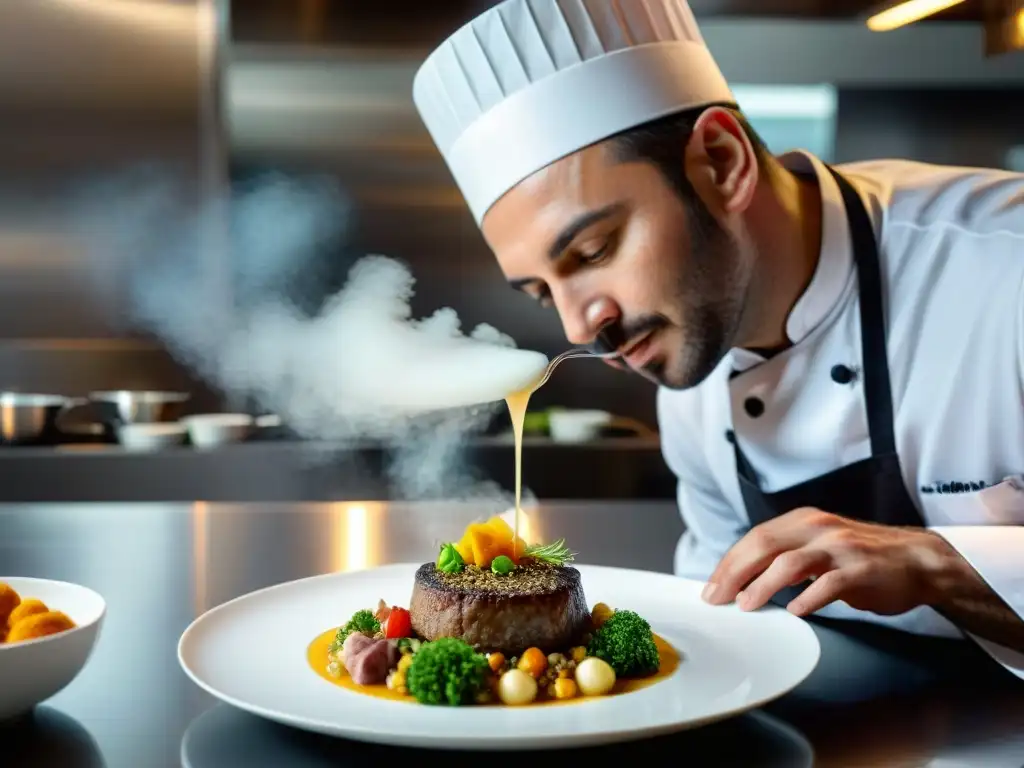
33 418
138 407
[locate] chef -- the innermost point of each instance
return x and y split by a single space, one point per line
838 351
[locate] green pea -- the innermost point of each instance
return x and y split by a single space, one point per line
502 565
449 560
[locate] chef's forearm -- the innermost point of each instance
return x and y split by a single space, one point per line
961 595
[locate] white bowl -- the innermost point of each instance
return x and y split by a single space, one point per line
572 426
151 436
35 670
208 430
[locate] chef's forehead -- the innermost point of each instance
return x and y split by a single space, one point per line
539 206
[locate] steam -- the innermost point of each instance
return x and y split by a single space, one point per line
331 373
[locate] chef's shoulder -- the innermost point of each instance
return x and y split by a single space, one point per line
961 202
683 416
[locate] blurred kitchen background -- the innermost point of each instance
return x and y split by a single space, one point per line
227 91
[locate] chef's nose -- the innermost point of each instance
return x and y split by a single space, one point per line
582 328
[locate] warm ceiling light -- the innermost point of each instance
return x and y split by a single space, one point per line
907 13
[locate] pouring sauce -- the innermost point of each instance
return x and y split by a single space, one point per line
517 403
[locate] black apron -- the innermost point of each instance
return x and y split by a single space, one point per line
871 490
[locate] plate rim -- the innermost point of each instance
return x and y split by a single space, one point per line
469 742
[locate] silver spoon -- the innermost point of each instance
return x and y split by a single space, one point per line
574 352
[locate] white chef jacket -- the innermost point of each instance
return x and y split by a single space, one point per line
951 251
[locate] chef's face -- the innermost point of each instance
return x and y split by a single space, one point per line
655 268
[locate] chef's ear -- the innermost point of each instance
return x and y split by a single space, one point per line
720 160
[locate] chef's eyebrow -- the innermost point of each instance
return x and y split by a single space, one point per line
570 233
577 225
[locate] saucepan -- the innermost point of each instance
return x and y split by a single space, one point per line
27 418
125 406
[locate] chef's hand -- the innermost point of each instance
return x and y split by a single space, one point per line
882 569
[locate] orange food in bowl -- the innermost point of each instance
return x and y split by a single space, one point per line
26 608
9 600
39 625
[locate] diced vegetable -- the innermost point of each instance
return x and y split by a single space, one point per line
533 662
398 624
565 688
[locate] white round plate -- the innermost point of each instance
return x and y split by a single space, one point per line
251 653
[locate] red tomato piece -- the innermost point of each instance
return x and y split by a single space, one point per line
399 623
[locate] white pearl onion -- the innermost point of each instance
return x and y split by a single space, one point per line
594 676
516 687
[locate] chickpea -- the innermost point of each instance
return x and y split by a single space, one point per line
496 661
533 662
565 688
578 653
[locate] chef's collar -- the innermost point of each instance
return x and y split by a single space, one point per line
835 261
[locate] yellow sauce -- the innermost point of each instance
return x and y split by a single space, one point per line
317 657
517 404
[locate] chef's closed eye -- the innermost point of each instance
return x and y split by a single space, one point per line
593 254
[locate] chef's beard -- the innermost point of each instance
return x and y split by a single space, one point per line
712 295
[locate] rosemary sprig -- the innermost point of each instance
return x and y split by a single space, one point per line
552 554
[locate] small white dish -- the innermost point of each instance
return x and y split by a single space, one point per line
209 430
151 436
36 670
576 426
732 661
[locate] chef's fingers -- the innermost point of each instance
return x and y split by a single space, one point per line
614 363
828 588
747 558
788 569
753 553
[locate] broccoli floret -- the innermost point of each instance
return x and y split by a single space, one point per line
446 671
362 621
626 642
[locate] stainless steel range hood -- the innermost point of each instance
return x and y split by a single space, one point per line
88 87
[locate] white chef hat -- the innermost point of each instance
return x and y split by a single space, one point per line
531 81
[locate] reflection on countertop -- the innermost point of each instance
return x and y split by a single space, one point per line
49 738
223 736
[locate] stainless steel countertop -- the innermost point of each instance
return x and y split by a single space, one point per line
876 699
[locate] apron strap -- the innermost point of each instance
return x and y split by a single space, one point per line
877 391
